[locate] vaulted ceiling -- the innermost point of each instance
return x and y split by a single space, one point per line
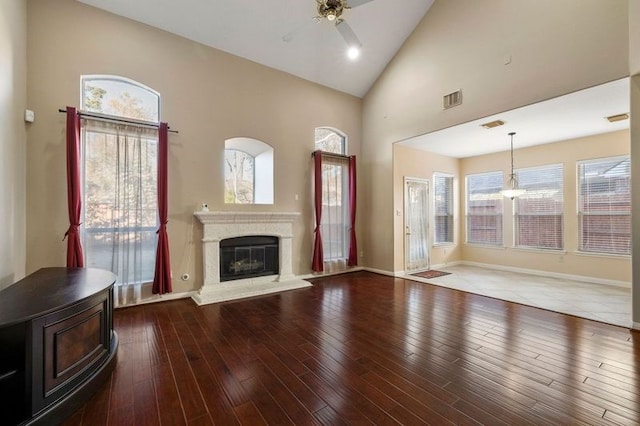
282 34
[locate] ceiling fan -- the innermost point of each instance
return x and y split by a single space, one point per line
332 11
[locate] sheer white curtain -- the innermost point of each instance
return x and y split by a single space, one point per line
335 213
120 199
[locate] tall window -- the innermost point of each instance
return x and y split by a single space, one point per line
604 205
484 208
248 171
538 214
443 208
120 178
335 204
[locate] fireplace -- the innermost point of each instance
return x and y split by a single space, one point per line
246 254
248 257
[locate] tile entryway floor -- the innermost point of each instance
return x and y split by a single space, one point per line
605 303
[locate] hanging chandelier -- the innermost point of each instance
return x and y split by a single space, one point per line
512 189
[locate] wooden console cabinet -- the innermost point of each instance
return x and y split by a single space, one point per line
57 343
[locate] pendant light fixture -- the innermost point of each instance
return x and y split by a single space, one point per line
512 190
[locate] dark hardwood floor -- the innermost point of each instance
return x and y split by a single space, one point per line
366 349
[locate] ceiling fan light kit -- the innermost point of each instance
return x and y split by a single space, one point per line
332 10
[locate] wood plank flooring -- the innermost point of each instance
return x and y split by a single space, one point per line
363 348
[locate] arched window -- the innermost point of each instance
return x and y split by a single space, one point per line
120 97
248 171
331 140
119 160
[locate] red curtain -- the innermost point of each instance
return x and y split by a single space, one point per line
162 276
353 246
317 265
75 258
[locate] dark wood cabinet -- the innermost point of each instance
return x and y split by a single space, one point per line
57 342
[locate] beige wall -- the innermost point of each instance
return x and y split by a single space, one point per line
613 268
634 37
13 138
207 95
463 44
413 163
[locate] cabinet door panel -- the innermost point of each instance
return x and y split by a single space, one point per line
68 344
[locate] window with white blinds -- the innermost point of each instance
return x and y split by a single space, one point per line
604 205
484 208
538 218
443 208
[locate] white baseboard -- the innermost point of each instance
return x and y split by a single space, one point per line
635 325
446 265
383 272
540 273
160 298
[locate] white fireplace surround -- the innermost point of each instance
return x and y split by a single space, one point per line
222 225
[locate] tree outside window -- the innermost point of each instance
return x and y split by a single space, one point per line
239 177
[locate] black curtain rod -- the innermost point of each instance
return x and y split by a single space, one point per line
117 119
331 154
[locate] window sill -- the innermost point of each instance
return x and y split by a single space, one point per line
437 245
487 246
540 250
602 255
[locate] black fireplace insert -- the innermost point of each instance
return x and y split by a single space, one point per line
248 257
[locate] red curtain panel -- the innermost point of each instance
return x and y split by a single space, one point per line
317 265
75 257
353 246
162 276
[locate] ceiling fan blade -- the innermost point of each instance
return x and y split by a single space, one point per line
347 33
355 3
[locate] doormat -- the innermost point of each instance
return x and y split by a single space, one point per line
432 273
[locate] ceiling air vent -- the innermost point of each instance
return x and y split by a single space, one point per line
452 99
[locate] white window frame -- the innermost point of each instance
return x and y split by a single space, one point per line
582 244
85 232
328 229
542 193
449 208
263 166
497 197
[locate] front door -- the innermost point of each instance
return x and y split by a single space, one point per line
416 224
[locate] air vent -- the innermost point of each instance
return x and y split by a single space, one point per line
619 117
492 124
452 99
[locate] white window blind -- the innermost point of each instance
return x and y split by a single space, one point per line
443 208
538 217
604 205
484 208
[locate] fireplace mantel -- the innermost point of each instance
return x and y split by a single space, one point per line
246 217
219 225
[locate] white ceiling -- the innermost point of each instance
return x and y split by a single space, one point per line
570 116
254 29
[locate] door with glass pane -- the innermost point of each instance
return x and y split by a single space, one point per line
416 224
